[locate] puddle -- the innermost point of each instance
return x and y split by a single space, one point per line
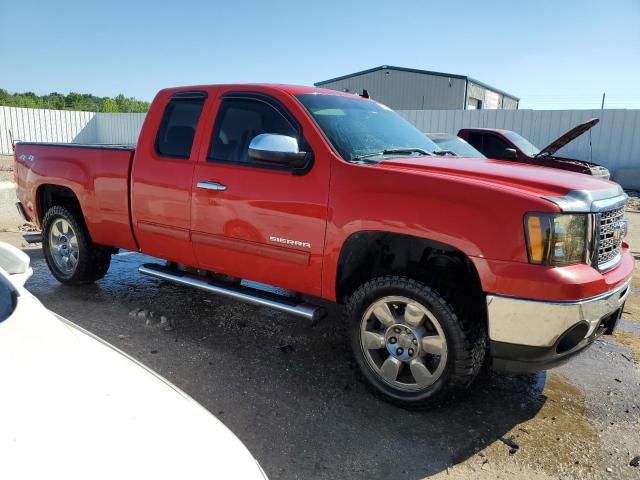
629 326
559 440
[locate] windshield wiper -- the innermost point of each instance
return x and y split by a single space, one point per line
407 150
442 153
392 151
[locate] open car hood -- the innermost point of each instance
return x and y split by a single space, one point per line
567 137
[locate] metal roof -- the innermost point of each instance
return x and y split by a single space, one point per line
415 70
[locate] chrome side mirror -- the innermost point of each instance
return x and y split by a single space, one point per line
277 149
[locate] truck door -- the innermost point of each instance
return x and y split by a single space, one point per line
254 220
161 176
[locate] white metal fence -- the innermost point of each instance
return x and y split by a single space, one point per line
614 142
44 126
38 125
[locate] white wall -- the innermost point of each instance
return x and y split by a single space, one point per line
615 141
39 125
119 127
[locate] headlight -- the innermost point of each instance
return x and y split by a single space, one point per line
559 238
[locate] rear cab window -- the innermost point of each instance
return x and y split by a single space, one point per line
178 126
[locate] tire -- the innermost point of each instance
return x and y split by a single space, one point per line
420 350
72 257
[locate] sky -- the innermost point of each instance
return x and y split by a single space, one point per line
551 54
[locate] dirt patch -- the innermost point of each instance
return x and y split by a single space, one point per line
633 200
632 307
559 441
633 204
629 340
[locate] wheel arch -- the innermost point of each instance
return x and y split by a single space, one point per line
370 253
50 194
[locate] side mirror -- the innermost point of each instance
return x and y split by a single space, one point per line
510 154
277 149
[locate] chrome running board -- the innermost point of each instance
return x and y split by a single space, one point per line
31 238
245 294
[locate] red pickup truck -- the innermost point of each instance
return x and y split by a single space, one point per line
509 145
443 263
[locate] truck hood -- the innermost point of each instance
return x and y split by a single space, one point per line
567 137
533 179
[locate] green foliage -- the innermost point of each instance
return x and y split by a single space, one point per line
73 101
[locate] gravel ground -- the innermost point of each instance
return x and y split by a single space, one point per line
290 391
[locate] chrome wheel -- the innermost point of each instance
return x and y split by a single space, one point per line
63 246
403 343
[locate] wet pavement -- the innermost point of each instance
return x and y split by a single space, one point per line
290 391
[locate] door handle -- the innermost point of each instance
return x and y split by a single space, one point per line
211 186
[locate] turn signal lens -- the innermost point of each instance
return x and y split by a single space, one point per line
534 234
557 238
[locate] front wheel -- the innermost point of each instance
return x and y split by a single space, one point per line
412 345
72 257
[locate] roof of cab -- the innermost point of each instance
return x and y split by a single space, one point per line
483 129
284 88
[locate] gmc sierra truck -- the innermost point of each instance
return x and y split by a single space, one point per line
443 263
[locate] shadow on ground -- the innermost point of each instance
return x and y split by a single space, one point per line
289 391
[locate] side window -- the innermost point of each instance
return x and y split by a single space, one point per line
475 139
239 120
494 147
178 127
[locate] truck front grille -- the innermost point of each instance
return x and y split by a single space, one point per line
610 239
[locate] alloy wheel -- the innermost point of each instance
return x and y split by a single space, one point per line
403 343
63 246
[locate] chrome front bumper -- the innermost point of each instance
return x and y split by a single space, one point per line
540 324
531 335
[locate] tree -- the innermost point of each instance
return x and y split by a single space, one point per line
108 105
73 101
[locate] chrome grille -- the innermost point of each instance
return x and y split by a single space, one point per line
610 240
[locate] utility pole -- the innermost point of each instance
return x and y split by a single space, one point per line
602 106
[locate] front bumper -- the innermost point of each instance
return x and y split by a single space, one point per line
531 335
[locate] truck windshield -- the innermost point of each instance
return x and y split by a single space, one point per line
359 128
522 143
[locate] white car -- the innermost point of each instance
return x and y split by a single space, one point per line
74 407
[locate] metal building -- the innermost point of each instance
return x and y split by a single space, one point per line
410 89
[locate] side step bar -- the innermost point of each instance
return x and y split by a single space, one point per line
242 293
32 237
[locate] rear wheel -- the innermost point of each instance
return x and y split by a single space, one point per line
413 346
70 254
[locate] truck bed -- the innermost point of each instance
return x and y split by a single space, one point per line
98 176
98 146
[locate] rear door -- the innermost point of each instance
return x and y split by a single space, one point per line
263 223
162 174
